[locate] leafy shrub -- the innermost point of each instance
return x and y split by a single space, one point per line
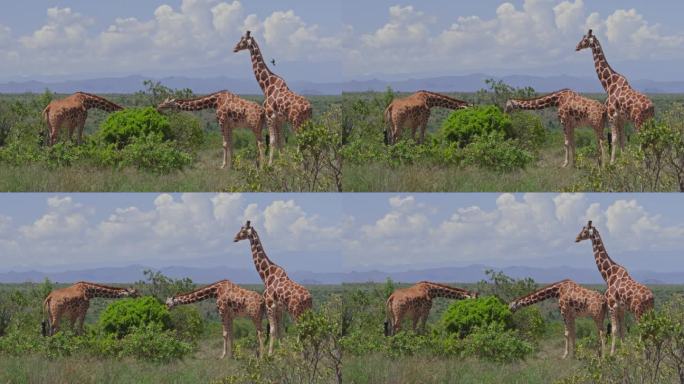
463 125
407 344
492 151
463 316
151 153
186 130
152 343
528 130
121 316
187 322
530 322
493 342
122 127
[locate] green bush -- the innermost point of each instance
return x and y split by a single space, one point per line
187 322
492 151
463 125
122 127
186 130
528 130
493 342
529 322
463 316
151 153
121 316
152 343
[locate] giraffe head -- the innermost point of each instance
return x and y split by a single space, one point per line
586 233
245 42
129 292
170 302
588 41
509 106
169 103
245 232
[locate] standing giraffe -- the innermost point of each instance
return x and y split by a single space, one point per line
231 301
279 101
416 302
280 291
623 291
232 112
574 301
624 102
414 111
73 111
573 111
74 302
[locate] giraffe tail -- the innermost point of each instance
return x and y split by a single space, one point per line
388 125
46 324
389 327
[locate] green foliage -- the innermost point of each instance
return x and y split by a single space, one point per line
463 125
493 342
505 287
151 153
122 127
530 323
492 151
186 130
498 92
528 130
187 322
152 342
463 316
121 316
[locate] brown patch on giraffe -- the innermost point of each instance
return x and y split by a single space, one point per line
414 112
416 302
232 301
72 111
573 301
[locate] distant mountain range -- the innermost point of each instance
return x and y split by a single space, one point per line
467 83
469 274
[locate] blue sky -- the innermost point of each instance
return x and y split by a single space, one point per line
337 232
327 40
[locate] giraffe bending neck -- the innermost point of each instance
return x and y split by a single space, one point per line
93 290
200 103
438 290
262 263
434 100
548 292
208 292
550 100
91 101
603 261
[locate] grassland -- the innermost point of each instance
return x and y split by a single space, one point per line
545 365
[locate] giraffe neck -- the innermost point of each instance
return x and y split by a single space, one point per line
261 71
439 290
542 294
550 100
604 71
603 261
93 101
262 263
210 291
97 290
200 103
434 100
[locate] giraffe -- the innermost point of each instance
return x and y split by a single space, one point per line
416 302
280 292
74 301
623 291
574 110
414 111
231 301
232 112
279 101
624 102
574 301
73 111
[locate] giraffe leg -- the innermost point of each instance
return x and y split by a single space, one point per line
571 159
423 128
79 129
614 130
622 322
273 325
260 335
601 334
416 317
572 337
273 138
601 145
567 133
228 149
566 320
615 327
227 330
260 147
